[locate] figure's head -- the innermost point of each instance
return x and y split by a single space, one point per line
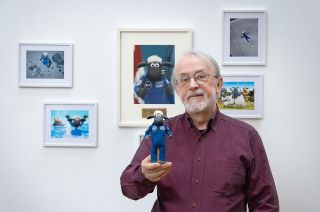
197 81
154 67
155 64
158 117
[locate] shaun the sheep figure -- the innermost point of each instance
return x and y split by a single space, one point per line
45 60
76 121
158 130
154 87
246 36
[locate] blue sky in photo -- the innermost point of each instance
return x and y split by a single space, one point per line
62 113
249 84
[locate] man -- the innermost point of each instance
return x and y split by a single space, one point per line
217 163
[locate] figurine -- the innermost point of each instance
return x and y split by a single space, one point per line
153 87
57 122
45 60
245 35
76 124
157 130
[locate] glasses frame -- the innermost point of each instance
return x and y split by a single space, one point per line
176 84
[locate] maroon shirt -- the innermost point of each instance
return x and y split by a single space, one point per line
221 169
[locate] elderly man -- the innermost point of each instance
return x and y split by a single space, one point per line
217 163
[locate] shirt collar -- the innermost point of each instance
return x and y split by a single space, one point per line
211 124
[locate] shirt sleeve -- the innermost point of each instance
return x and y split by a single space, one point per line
133 183
262 194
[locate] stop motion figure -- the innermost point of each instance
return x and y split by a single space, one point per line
158 130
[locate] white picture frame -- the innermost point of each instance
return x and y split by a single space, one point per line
77 130
244 37
131 113
45 64
248 88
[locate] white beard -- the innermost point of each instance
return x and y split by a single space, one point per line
194 106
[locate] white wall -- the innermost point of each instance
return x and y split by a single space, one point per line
36 179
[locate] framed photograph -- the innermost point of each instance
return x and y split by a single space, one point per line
242 96
70 124
244 37
146 61
45 65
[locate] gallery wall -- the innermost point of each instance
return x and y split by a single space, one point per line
34 178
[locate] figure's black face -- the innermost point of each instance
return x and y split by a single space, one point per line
158 120
154 71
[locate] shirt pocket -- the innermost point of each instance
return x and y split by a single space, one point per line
229 177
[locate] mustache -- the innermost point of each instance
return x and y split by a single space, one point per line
195 93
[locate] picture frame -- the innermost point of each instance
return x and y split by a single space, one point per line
136 45
69 124
45 64
244 37
242 96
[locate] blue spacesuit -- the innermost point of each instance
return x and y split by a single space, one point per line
45 60
156 91
246 36
158 130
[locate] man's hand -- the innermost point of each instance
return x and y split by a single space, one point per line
154 171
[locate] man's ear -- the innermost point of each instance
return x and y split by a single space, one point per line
219 84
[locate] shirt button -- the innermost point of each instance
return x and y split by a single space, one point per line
194 204
196 181
199 158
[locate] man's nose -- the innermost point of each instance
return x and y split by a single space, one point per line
193 84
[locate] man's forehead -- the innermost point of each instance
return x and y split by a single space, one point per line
190 67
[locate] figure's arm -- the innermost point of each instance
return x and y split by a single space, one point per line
168 131
84 118
148 132
69 119
134 184
140 88
261 190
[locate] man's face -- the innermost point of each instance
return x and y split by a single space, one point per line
196 97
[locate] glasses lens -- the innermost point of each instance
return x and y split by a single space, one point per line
184 80
201 77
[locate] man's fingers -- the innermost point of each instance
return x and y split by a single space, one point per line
154 171
149 166
158 174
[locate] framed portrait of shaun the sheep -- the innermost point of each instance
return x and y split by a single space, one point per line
244 37
146 61
70 124
45 65
242 96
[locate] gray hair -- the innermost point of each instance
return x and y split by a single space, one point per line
204 57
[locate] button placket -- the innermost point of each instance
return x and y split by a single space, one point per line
194 204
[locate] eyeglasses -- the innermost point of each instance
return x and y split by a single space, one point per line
200 78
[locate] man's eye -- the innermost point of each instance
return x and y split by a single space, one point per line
201 76
184 79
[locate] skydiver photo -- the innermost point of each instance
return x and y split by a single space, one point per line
45 65
68 124
243 37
